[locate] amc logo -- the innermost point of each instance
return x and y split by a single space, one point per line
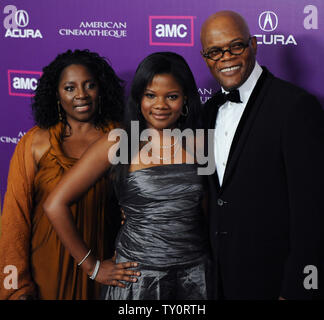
22 83
171 31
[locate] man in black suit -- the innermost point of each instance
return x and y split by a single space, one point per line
266 202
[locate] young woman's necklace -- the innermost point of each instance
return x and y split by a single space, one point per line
177 147
171 145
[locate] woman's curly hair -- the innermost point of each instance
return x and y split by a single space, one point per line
111 91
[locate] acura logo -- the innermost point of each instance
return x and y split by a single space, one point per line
22 18
268 21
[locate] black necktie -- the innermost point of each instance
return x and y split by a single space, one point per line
233 96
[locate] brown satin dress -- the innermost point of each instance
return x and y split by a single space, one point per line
45 266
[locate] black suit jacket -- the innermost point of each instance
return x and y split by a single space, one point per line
266 219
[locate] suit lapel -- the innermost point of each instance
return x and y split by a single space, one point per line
212 106
245 125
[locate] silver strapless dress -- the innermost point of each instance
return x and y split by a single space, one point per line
164 232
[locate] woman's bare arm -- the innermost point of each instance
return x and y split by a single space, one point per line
72 186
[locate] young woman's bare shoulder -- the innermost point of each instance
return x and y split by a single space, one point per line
41 143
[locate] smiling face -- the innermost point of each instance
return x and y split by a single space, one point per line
221 31
78 93
162 102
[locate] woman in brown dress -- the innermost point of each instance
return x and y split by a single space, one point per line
79 98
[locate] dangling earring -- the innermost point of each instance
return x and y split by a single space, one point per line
187 110
59 111
99 105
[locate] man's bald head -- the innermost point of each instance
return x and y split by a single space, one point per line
217 21
224 30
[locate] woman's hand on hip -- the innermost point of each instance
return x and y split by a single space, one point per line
111 273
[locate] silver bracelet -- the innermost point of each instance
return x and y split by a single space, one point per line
85 257
95 271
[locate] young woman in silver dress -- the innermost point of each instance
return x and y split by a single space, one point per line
161 250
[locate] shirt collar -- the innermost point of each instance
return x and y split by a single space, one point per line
247 87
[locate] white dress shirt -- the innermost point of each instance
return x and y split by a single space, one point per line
228 117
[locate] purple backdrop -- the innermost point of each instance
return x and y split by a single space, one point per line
124 31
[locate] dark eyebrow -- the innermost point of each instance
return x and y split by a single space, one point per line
73 82
215 47
236 39
174 91
169 92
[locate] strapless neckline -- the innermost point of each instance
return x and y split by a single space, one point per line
159 167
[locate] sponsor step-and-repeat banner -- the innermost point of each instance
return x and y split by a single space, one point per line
289 36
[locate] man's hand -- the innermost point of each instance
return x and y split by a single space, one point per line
123 217
26 297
